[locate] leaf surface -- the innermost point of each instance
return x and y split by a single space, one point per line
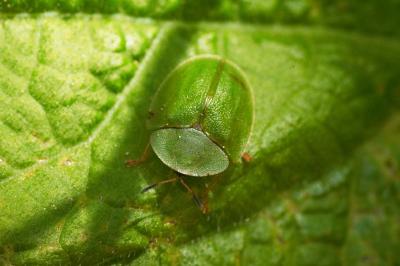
323 183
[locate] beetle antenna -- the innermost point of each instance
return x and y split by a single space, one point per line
195 198
148 187
158 183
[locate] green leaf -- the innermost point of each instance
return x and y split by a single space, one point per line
322 187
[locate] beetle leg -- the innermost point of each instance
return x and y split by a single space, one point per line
198 202
194 196
159 183
246 157
143 158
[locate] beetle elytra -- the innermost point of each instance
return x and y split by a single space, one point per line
201 117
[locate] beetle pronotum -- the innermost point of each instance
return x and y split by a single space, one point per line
200 119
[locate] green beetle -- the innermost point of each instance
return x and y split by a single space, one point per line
201 117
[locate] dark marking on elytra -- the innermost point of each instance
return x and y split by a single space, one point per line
212 90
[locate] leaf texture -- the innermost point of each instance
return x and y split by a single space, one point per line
323 183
